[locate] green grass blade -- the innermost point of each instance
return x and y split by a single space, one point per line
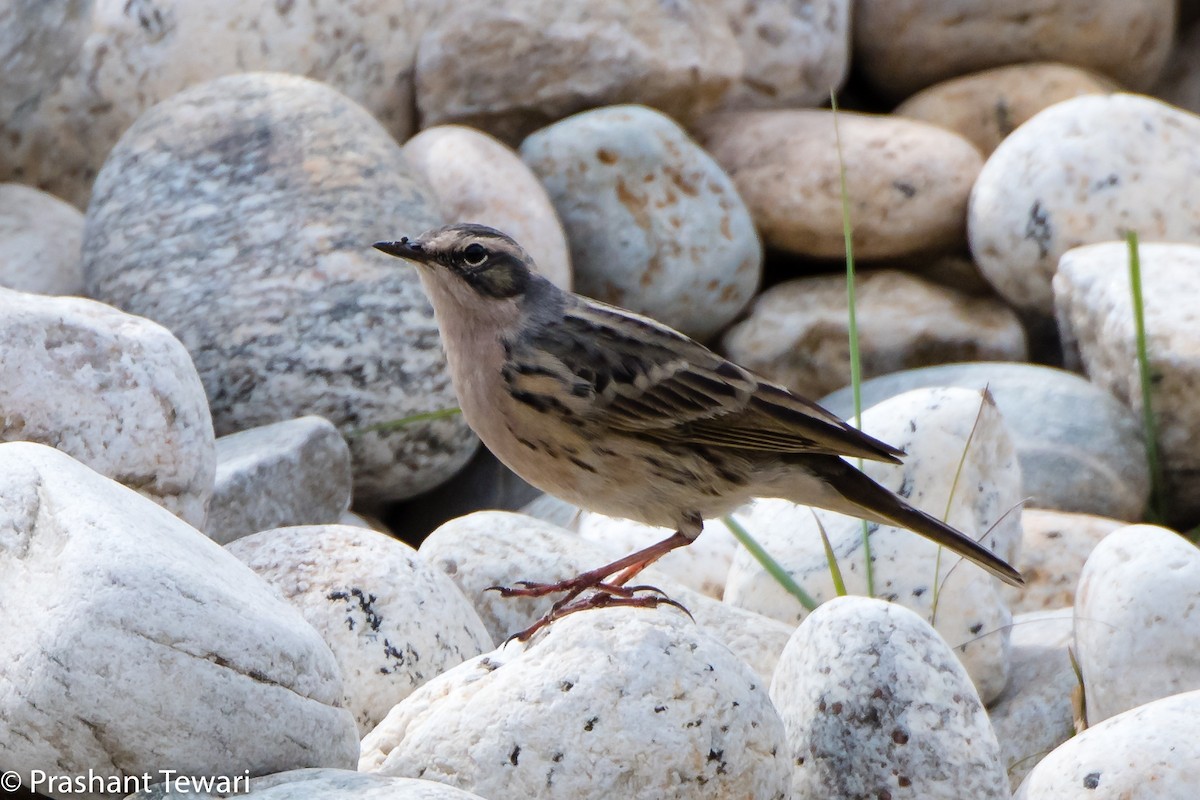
1149 425
835 570
397 424
773 567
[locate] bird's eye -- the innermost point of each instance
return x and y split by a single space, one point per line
474 254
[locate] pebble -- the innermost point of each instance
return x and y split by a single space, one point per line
1179 84
140 644
319 784
907 181
1080 449
40 241
295 472
392 620
876 705
1054 548
935 427
985 107
1084 170
619 702
796 332
115 391
685 251
1149 753
240 213
38 42
478 178
1137 619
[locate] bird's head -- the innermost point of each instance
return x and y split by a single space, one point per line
469 258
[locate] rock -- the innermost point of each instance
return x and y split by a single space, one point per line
139 644
1082 171
492 548
115 391
1137 620
1149 753
295 472
684 251
907 181
902 47
956 270
794 53
960 467
1035 714
987 106
240 214
1080 449
40 240
38 42
479 179
549 508
306 784
1094 306
1179 84
1053 551
392 621
520 65
797 332
618 702
876 705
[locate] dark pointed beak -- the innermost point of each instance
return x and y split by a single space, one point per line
405 248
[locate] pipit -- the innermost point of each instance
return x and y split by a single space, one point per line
621 415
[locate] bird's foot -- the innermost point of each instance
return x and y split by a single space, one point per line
605 596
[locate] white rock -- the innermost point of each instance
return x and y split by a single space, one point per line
317 784
116 391
139 644
1148 753
295 472
38 42
1137 619
1054 547
40 241
934 427
392 621
876 705
619 702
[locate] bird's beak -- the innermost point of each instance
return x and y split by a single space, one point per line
405 248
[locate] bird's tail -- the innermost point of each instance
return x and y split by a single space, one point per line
877 503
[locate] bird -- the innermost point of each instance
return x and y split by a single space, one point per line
624 416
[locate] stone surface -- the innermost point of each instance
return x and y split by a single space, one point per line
295 472
138 644
619 702
520 65
987 106
40 241
1035 714
392 620
240 214
685 251
1080 448
1082 171
797 333
1179 84
1054 548
115 391
979 493
1149 753
907 181
1137 619
906 45
1094 306
876 705
38 42
310 784
480 179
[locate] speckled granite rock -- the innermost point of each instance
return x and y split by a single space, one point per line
1053 551
1034 715
985 107
393 621
38 41
908 45
40 240
1094 306
796 332
521 64
139 644
876 705
908 181
1080 448
295 472
635 703
240 215
934 426
480 179
1084 170
115 391
1149 753
1137 619
686 253
318 784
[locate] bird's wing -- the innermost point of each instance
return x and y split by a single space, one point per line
650 380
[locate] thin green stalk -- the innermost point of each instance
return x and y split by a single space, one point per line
397 424
1149 425
835 570
772 566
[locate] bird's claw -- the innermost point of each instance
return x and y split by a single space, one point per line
605 596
